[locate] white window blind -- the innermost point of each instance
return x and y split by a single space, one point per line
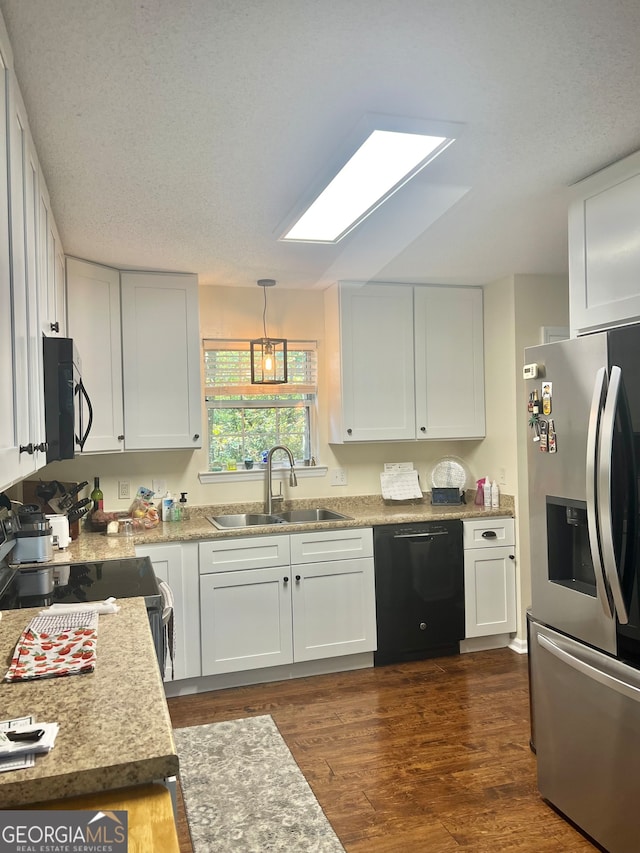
227 370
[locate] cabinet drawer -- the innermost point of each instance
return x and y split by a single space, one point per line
256 552
479 533
317 546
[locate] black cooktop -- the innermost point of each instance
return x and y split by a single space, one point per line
98 580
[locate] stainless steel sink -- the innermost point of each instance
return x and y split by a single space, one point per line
250 519
307 516
293 516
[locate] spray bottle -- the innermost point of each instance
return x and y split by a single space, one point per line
487 491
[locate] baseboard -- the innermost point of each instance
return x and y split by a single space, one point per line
519 646
483 644
188 686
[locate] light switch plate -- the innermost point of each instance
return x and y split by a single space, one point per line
159 488
338 477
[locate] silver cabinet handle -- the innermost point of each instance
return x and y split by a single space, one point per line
604 494
593 434
420 535
599 675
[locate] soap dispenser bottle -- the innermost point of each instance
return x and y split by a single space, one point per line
167 507
184 511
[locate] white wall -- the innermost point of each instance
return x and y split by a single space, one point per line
539 301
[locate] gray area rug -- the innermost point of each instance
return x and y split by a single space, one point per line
244 792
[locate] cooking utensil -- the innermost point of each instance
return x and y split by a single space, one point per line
79 505
77 514
66 501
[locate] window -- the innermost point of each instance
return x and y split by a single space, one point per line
244 420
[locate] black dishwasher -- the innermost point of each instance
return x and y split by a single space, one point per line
419 590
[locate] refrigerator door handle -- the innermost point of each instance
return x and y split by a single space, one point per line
607 679
593 434
604 494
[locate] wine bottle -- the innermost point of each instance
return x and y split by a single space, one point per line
96 495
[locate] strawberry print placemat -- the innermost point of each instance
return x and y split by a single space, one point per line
52 646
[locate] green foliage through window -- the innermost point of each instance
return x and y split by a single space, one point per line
245 420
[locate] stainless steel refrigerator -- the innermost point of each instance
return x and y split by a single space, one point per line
584 642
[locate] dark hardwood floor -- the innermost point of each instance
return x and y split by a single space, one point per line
425 756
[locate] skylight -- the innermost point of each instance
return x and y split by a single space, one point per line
385 161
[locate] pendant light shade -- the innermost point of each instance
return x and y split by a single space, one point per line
268 355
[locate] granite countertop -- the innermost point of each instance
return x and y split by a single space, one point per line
364 511
108 738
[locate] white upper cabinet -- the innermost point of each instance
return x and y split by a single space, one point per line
29 248
372 362
23 448
449 346
405 362
52 298
163 407
9 454
604 252
140 401
93 294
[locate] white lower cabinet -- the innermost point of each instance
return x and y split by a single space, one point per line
245 619
489 577
177 565
333 609
261 609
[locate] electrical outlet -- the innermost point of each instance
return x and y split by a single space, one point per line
124 491
502 476
338 477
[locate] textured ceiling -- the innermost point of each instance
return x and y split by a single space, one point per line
180 134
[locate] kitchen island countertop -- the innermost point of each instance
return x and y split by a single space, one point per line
364 511
115 729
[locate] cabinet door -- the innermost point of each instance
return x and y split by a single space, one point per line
9 457
376 348
449 362
36 369
94 324
51 296
334 609
58 279
162 392
489 591
245 620
177 565
604 256
21 462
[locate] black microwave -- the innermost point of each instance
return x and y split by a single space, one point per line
68 414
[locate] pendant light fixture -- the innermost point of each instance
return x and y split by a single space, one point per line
268 355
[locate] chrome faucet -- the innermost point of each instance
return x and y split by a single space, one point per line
271 498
